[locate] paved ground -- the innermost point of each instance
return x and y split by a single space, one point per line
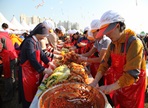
9 104
14 103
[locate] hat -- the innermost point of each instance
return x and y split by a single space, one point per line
74 31
108 22
41 29
69 31
95 25
86 28
49 23
62 29
90 36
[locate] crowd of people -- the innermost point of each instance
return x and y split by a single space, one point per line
115 56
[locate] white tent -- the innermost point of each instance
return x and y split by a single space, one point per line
32 26
4 20
16 23
25 25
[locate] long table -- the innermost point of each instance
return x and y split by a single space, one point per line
34 103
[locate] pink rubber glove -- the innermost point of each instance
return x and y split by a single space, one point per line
109 88
48 71
51 65
82 58
94 83
56 56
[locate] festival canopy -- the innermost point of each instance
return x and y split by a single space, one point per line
25 25
32 26
4 20
16 23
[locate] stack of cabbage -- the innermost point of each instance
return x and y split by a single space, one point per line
60 74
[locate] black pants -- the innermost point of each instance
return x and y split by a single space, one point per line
9 83
9 90
1 69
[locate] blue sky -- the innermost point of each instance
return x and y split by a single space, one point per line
81 11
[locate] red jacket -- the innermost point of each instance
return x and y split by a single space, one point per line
7 56
8 42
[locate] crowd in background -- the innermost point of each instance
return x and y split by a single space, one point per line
90 47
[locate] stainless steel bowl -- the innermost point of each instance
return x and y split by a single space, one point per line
72 95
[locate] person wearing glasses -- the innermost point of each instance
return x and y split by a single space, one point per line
124 66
